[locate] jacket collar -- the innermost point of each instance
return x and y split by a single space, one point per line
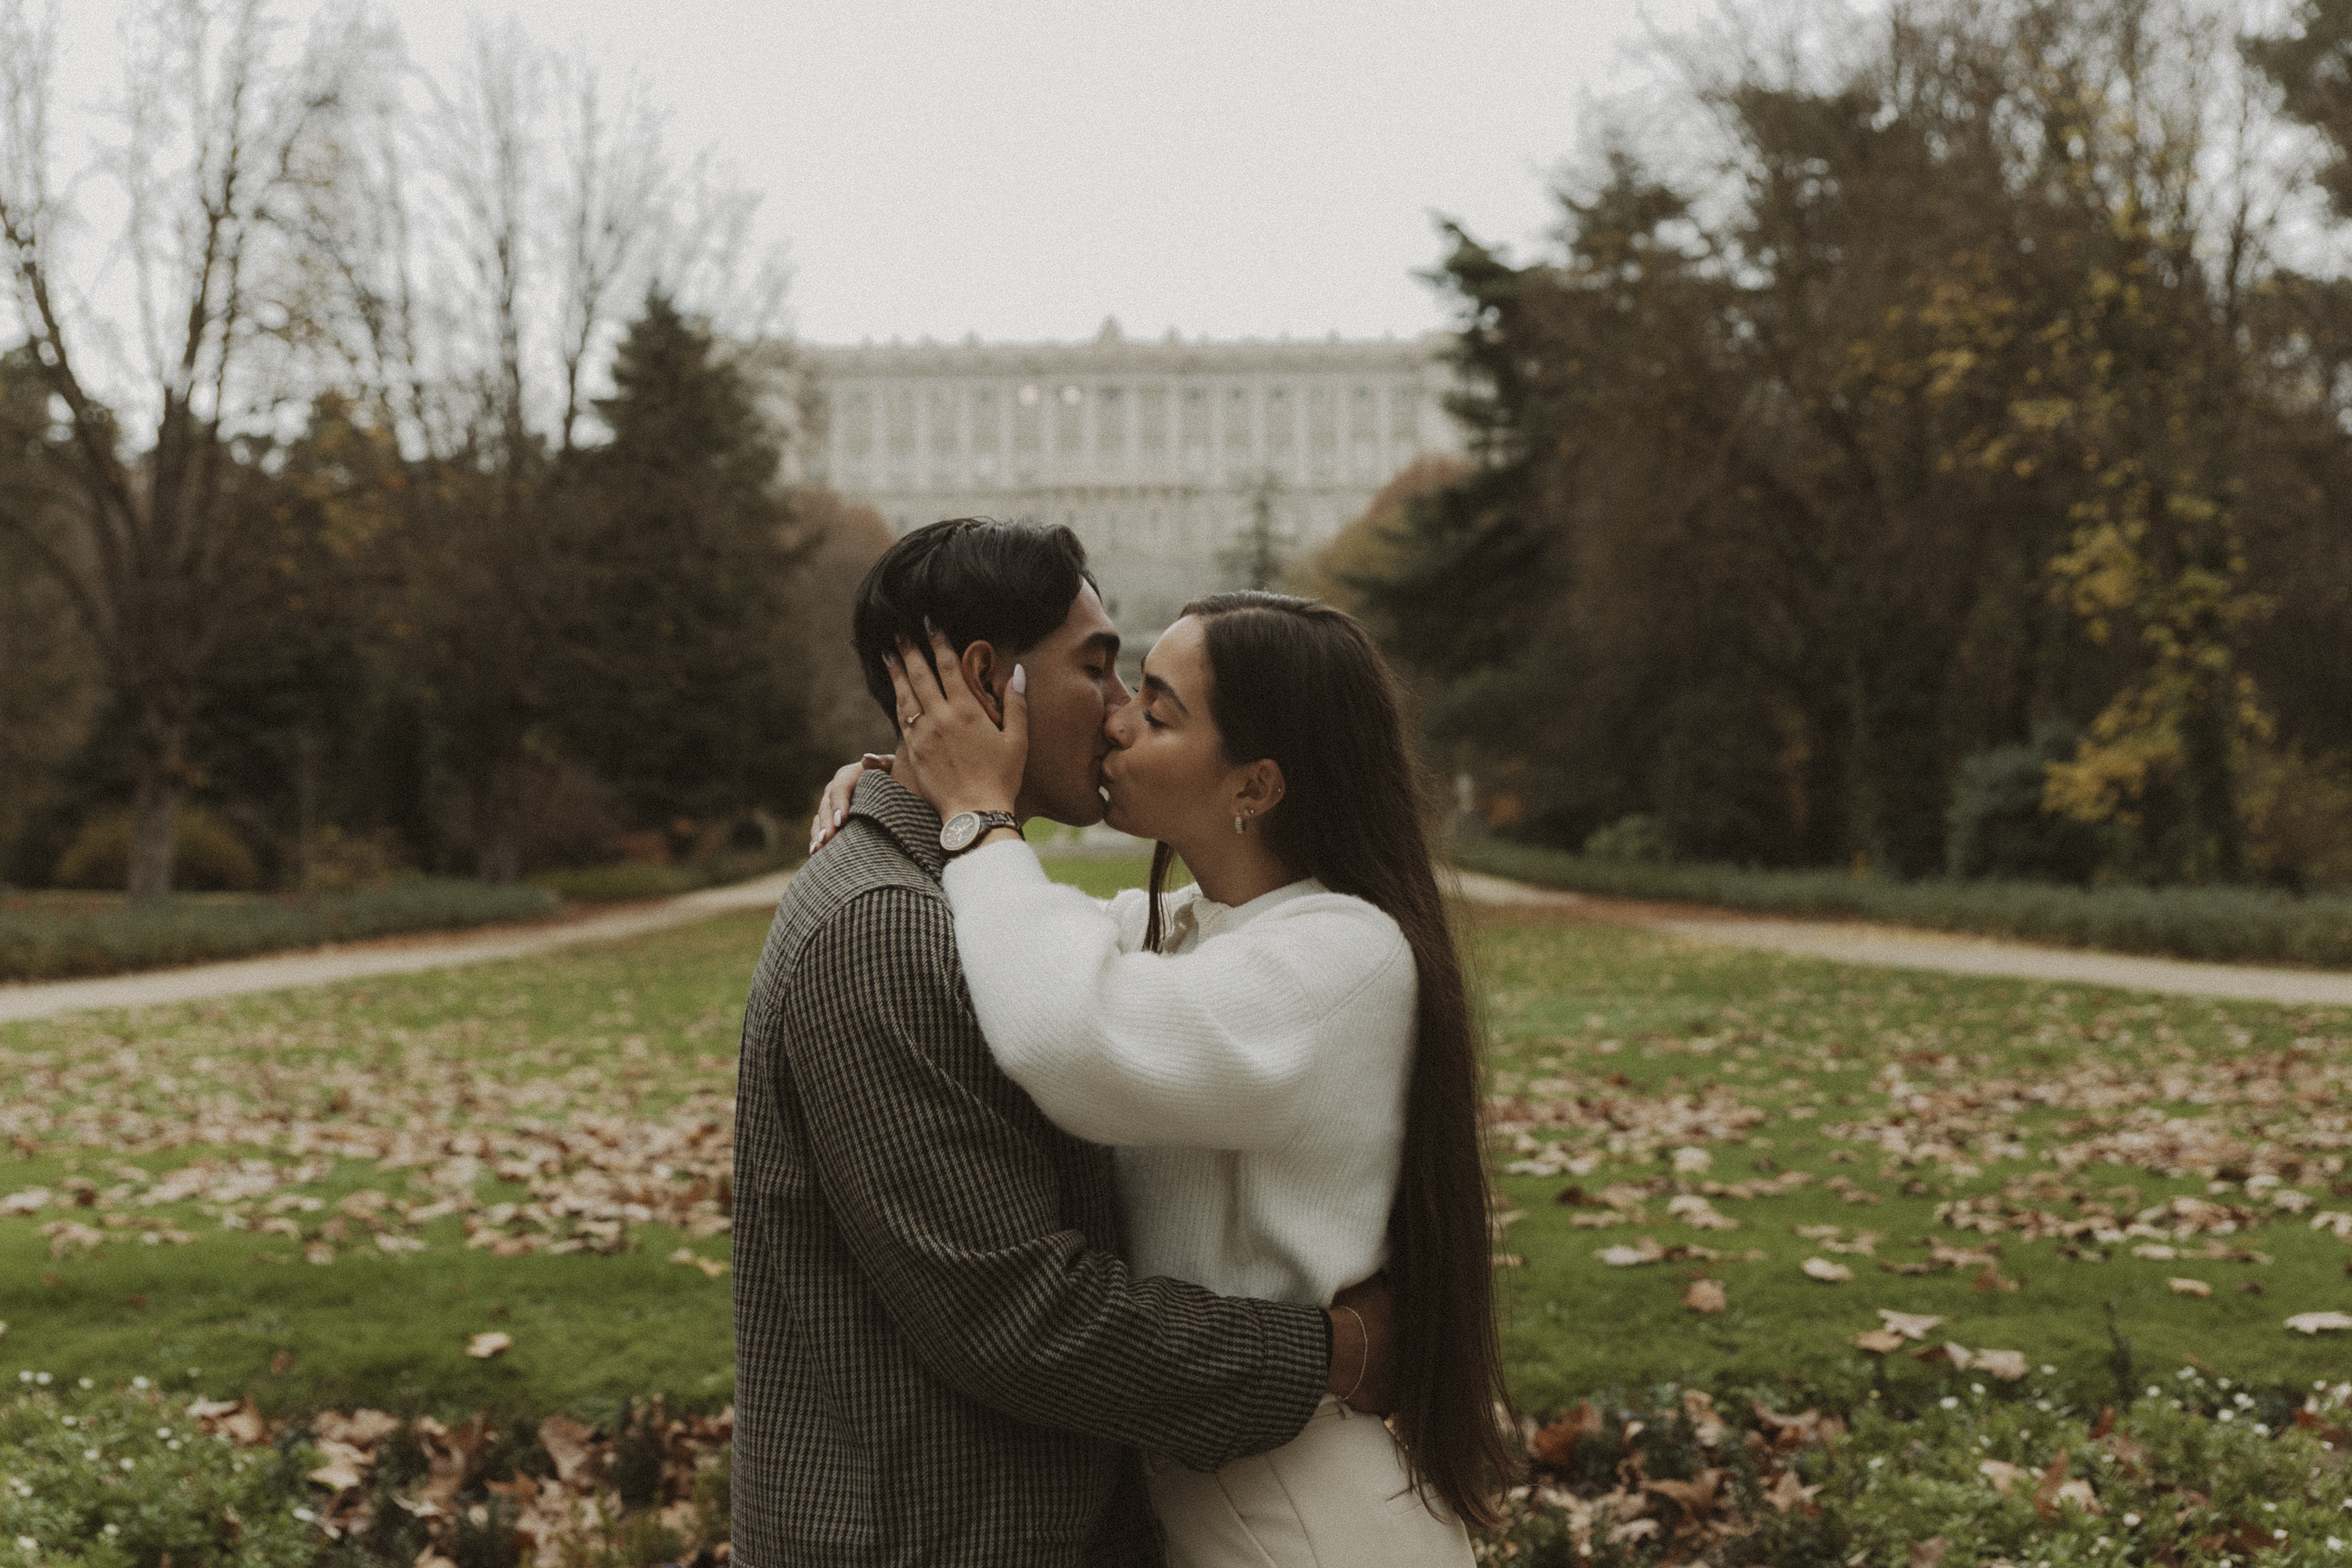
905 816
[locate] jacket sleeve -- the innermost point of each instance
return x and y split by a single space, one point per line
951 1202
1229 1046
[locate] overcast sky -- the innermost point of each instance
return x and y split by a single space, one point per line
1226 167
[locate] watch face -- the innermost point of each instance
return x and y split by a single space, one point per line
959 831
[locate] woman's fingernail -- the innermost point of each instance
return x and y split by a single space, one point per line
836 819
1020 678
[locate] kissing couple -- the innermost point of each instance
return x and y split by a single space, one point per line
1074 1233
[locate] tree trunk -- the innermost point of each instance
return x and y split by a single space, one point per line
2217 850
155 805
306 806
497 822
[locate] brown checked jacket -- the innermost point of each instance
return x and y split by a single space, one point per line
940 1359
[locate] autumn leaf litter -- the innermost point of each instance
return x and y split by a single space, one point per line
2267 1132
450 1119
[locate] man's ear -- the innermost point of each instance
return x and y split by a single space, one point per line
984 672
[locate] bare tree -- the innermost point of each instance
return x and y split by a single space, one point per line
219 128
486 293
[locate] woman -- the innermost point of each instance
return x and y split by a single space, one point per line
1282 1054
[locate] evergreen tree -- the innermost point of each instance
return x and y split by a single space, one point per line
1259 556
682 694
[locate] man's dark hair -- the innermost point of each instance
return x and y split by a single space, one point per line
1008 584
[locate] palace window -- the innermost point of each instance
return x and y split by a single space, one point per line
986 435
1404 418
1028 424
858 423
1239 436
1281 425
1196 432
898 421
1322 431
1110 421
1151 421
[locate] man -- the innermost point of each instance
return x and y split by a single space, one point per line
940 1358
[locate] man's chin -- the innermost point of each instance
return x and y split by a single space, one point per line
1083 811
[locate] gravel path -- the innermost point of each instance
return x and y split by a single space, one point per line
393 955
1890 947
1896 947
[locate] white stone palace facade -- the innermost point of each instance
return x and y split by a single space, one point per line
1157 453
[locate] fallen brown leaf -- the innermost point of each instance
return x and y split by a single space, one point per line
1786 1492
2002 1474
346 1466
361 1428
2007 1365
1706 1296
2056 1493
1696 1497
1646 1249
571 1445
1554 1445
1910 1325
483 1346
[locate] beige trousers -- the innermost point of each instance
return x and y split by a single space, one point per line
1335 1496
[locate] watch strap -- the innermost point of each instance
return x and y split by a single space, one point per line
989 822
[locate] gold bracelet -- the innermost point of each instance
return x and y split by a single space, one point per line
1364 1358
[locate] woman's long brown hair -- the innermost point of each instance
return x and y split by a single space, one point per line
1301 682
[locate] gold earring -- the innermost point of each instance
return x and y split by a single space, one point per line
1238 828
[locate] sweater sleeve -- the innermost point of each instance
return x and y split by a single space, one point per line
1214 1048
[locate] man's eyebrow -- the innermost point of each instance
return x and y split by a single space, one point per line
1153 683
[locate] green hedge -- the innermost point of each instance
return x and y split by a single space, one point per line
2214 923
46 938
627 881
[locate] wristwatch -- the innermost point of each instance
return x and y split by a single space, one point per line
961 831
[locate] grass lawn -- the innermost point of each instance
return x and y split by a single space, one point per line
1900 1095
312 1166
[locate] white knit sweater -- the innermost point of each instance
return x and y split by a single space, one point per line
1251 1076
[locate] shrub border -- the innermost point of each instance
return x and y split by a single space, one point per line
2214 923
